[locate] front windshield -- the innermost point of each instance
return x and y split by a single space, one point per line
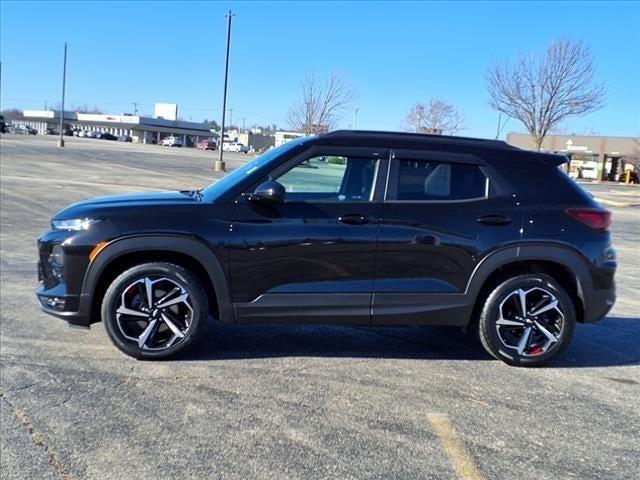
219 187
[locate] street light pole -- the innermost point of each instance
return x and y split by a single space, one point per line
64 82
219 165
355 120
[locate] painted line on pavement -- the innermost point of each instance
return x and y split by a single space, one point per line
463 463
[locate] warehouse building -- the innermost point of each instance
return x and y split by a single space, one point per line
610 155
139 128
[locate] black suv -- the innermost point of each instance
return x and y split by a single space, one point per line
351 227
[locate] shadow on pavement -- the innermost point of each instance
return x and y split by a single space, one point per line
613 341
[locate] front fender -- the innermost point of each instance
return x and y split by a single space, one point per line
186 245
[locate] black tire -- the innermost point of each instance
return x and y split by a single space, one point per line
488 329
164 274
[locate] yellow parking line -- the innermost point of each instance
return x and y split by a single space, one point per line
460 457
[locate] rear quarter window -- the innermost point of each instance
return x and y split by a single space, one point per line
535 180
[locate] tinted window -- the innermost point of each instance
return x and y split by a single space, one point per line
331 179
220 187
429 180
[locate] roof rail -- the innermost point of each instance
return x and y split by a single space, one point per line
426 137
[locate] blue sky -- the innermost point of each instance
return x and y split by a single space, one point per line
394 54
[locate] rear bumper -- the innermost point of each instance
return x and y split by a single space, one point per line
597 302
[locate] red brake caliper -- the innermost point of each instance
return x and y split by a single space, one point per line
535 350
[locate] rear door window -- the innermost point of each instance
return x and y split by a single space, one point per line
428 180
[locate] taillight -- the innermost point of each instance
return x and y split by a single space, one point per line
595 218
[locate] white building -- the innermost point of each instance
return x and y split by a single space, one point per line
140 129
284 137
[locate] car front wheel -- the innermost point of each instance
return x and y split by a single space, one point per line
155 311
527 320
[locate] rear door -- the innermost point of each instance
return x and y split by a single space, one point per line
442 213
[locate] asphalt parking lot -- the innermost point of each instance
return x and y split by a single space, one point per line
308 402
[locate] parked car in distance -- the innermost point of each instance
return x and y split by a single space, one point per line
588 173
51 131
107 136
207 144
22 130
387 229
3 125
235 147
171 141
125 138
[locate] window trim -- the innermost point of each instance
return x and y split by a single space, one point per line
391 190
381 174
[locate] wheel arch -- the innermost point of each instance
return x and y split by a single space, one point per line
565 265
189 252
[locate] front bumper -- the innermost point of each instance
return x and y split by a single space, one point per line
75 309
59 294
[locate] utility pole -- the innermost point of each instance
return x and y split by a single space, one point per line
355 120
64 82
231 117
243 123
135 109
219 165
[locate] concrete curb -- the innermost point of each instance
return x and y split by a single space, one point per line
616 203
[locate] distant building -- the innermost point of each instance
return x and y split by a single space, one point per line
283 137
430 130
256 141
140 129
607 153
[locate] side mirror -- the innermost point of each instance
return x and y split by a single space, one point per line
269 192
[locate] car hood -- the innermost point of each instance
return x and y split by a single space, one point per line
103 205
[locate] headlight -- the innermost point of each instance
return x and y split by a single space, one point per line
73 224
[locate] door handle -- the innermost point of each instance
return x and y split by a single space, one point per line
494 220
354 219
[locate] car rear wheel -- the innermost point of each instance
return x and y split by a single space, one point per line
155 311
527 320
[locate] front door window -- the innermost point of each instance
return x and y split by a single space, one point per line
331 179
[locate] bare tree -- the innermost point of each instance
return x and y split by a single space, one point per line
438 116
634 156
11 114
541 91
321 104
86 109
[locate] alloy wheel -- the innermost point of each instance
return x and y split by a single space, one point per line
154 312
530 321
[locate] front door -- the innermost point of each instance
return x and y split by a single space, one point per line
311 258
